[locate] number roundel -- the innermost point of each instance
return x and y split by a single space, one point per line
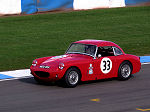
106 65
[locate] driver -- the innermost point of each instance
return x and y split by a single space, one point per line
90 50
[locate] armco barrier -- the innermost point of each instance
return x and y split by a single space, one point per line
136 2
45 5
33 6
29 6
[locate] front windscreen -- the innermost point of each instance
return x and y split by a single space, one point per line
82 49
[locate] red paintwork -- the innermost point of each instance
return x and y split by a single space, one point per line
82 62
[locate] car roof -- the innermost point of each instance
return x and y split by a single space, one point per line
98 43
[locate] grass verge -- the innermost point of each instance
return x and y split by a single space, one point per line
24 38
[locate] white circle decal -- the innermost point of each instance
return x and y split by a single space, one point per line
106 65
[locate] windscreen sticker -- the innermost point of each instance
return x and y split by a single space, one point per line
106 65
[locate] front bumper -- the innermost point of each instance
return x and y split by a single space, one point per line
46 74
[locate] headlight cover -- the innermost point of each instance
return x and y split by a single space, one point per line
34 63
61 66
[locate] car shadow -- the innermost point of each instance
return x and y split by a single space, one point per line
97 81
31 80
103 80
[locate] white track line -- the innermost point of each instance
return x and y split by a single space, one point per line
145 63
15 78
17 73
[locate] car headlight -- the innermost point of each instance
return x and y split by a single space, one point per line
34 63
61 66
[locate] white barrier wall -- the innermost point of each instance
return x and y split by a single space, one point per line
117 3
90 4
93 4
10 6
34 6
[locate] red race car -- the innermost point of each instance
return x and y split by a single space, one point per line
86 60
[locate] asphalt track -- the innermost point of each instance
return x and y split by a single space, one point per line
25 95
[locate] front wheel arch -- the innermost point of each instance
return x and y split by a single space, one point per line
65 79
76 68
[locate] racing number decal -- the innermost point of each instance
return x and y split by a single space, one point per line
106 65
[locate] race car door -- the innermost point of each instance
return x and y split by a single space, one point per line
105 63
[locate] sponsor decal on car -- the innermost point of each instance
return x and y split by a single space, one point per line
90 69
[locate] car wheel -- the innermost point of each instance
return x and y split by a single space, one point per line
72 77
125 70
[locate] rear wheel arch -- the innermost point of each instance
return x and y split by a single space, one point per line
125 64
128 62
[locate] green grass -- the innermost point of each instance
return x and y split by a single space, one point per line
24 38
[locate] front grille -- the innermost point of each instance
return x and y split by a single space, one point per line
42 74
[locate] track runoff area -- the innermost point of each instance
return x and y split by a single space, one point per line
25 73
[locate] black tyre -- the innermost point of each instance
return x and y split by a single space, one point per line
125 70
72 77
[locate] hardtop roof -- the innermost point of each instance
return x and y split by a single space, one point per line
98 43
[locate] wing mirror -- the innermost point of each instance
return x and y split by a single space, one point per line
99 55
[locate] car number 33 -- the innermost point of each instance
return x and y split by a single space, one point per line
106 65
86 60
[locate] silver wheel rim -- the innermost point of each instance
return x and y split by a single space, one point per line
73 77
125 71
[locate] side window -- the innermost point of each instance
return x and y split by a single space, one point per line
105 51
117 51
